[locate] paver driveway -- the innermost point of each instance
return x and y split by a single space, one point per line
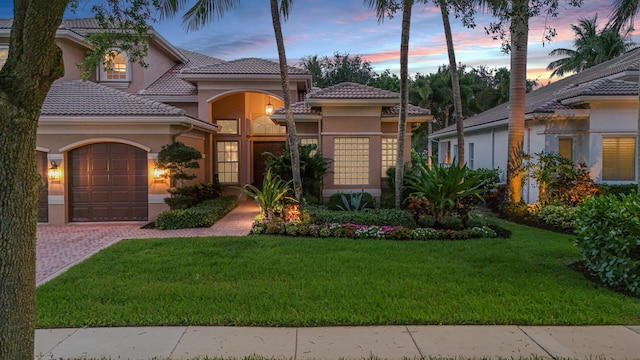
58 247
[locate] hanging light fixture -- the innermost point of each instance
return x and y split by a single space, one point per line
54 172
268 109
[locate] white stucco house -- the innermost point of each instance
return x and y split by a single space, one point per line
589 117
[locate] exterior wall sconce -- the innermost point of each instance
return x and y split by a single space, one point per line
268 109
159 174
55 173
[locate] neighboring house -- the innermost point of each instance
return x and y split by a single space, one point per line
98 139
589 117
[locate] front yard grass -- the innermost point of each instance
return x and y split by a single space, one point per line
280 281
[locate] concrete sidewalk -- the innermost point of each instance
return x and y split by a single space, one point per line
391 342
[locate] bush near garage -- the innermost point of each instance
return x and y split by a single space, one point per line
608 237
204 214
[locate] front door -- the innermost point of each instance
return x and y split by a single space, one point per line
259 167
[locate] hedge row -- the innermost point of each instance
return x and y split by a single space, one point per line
204 214
379 217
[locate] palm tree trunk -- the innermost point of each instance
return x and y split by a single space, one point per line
455 83
404 98
292 134
517 93
34 62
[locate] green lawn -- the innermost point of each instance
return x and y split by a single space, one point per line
278 281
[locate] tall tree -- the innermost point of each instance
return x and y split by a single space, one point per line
327 71
623 15
205 11
34 61
455 82
388 8
591 47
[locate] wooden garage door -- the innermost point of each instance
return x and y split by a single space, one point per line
108 182
43 200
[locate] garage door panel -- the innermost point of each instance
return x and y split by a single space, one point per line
113 188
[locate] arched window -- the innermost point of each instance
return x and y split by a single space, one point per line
4 53
116 67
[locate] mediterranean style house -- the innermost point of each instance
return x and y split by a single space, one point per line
98 139
590 117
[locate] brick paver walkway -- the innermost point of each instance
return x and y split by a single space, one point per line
58 247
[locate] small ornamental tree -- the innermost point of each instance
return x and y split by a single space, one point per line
179 158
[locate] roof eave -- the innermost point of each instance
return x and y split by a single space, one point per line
590 98
282 119
352 102
248 77
124 119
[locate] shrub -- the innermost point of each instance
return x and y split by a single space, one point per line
573 185
179 158
452 223
204 214
445 188
626 189
187 196
560 216
608 229
391 217
271 196
351 201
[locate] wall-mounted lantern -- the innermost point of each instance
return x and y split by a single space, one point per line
159 174
55 173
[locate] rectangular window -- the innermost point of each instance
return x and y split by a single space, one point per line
351 161
618 158
310 141
471 156
446 152
228 126
565 148
227 154
389 151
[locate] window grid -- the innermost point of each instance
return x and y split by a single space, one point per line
227 154
471 156
389 152
115 67
618 158
351 161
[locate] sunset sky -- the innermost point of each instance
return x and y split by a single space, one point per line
322 27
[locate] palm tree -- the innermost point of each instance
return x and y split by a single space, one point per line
591 47
383 8
455 83
203 12
623 15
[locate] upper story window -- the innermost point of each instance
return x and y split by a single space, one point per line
116 67
264 125
4 53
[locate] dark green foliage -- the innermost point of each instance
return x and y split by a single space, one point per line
380 217
446 189
626 189
272 196
452 223
608 236
560 216
573 185
179 158
187 196
312 168
351 202
204 214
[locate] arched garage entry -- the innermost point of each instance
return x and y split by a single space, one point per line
108 182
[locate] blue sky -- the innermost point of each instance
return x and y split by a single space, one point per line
322 27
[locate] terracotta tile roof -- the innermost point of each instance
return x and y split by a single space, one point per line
411 110
72 24
246 66
169 84
349 90
299 108
86 98
616 77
